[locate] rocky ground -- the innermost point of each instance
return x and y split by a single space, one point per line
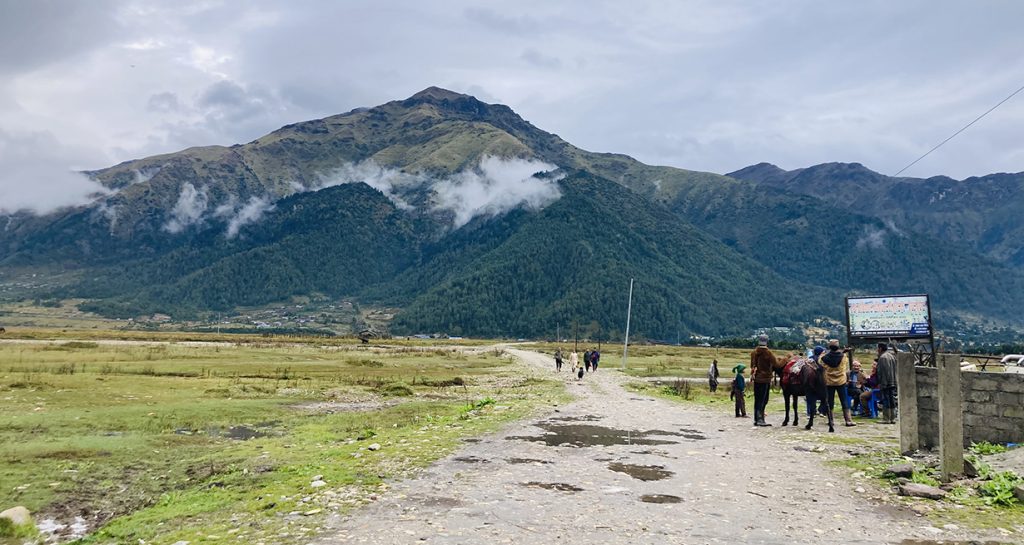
617 467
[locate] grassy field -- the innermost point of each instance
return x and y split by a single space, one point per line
168 441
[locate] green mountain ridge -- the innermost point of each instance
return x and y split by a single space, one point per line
983 212
711 254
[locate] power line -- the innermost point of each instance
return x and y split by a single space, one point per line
959 131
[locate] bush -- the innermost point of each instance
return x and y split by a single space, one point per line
985 448
395 389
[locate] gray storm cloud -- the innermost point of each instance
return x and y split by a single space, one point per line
36 175
495 186
189 209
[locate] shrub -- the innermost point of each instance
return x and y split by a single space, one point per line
999 490
395 389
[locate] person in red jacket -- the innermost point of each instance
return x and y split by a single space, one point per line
762 363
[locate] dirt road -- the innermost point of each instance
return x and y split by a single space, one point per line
615 467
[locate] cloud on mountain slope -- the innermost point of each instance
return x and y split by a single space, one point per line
36 174
495 186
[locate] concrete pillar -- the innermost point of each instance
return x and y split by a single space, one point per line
906 389
951 417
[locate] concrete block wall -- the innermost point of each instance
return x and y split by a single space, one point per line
993 407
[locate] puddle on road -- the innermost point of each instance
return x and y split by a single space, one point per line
471 440
584 418
561 487
589 435
660 498
471 460
643 473
527 461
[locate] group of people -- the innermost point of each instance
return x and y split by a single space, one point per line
591 359
842 377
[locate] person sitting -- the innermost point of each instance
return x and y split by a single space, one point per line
870 383
855 381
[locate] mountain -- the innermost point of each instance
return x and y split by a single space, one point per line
983 212
472 220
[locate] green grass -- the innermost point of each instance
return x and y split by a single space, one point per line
142 432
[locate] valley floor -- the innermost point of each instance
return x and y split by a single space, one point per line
619 467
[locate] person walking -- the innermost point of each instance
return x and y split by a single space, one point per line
595 358
836 364
739 388
558 360
574 361
887 382
713 376
586 360
762 362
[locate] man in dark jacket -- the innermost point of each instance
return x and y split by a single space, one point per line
887 382
762 364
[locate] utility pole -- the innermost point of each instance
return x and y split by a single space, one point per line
576 339
629 311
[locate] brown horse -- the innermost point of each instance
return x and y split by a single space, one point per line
792 387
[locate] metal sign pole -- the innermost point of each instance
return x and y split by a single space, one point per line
629 311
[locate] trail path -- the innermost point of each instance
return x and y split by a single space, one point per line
551 480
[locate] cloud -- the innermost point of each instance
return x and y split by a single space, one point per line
38 174
394 184
873 238
251 212
189 209
495 187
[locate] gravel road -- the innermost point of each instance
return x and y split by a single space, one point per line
616 467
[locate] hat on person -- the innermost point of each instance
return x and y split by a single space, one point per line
818 350
833 344
739 368
762 340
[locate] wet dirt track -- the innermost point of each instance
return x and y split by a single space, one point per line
616 468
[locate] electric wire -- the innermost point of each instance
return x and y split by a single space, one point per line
939 145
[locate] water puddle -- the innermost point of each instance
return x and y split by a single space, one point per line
471 460
561 487
54 530
643 473
527 461
583 418
660 498
589 435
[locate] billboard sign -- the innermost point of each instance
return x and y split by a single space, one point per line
888 317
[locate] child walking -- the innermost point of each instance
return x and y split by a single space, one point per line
739 386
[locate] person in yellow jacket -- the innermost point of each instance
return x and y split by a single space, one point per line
837 364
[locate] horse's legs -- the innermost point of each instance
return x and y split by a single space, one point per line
796 410
785 395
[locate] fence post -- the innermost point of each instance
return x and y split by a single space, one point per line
906 389
951 417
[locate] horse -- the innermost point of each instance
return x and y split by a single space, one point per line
791 389
812 377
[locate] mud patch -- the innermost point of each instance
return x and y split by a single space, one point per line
471 460
643 473
589 435
660 498
561 487
527 461
238 433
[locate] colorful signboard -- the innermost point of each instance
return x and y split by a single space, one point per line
888 317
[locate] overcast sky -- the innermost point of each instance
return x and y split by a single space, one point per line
706 85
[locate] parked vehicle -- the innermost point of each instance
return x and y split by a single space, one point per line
1013 363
